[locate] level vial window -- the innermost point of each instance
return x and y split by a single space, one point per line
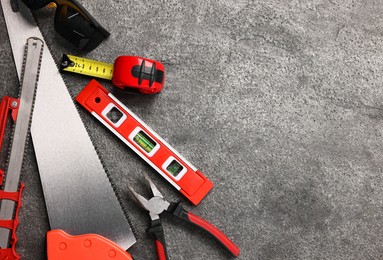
144 141
174 168
114 115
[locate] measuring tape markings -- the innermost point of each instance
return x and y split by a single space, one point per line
87 67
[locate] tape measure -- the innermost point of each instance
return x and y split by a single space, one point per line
87 67
148 76
145 142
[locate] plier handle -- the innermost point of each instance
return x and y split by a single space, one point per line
157 205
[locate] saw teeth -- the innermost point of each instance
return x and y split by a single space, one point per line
120 202
33 102
33 105
111 181
27 93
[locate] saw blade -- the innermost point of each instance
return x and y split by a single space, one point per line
78 194
31 66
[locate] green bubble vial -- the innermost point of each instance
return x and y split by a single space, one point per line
174 168
144 141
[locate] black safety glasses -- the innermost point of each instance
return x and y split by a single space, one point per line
74 23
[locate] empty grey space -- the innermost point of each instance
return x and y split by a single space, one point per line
278 103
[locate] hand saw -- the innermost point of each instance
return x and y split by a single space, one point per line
78 194
23 107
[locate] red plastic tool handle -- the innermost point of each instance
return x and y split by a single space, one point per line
215 232
7 103
218 235
10 253
157 231
160 251
61 246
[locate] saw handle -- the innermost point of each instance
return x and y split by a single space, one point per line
217 234
157 231
7 104
61 246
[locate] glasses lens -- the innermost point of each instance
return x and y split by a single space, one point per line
36 4
74 24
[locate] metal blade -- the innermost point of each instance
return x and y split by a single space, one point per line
78 195
33 52
141 199
156 192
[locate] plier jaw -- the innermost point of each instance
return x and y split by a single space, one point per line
157 205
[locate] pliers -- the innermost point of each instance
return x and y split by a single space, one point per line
157 205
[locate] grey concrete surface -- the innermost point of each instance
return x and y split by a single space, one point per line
279 103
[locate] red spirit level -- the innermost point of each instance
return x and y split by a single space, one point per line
145 142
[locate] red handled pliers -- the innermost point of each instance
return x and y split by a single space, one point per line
157 205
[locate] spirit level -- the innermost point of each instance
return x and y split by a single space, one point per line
148 76
145 142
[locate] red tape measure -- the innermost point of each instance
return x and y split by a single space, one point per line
127 72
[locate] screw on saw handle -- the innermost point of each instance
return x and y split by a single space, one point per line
7 104
217 234
61 246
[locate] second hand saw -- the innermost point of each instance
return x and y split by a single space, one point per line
21 113
78 194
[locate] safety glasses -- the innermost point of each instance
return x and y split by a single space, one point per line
74 23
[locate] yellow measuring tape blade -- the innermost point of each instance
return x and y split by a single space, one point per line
87 67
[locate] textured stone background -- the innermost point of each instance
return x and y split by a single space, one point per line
279 103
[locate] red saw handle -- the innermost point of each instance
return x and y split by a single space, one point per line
61 246
7 104
217 234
